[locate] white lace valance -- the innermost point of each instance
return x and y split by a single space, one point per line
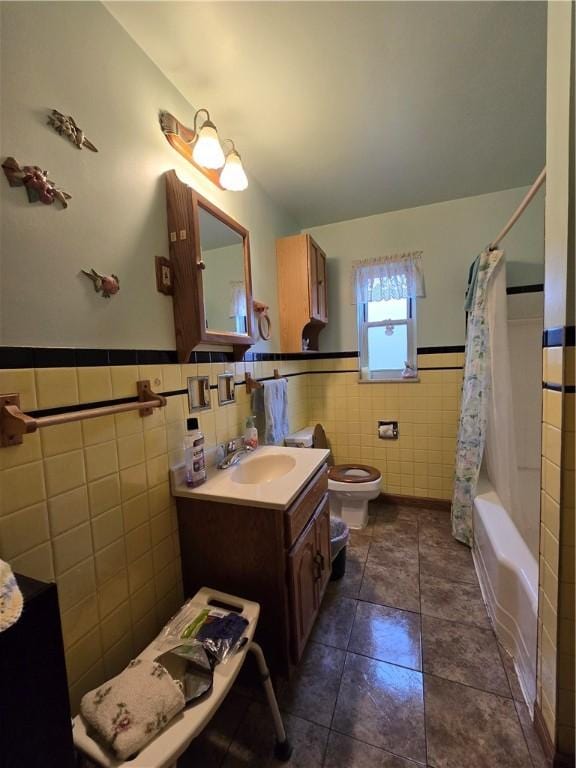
388 277
237 299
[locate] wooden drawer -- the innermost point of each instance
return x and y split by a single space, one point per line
297 517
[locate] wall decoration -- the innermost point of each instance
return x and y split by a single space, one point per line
66 126
39 187
107 285
264 325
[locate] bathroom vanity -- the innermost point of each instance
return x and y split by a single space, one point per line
261 530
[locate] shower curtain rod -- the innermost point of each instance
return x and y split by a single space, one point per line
520 210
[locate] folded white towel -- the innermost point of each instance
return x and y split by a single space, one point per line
129 710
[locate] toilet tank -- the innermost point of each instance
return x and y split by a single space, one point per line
302 439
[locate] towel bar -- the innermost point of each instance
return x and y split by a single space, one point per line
14 423
252 384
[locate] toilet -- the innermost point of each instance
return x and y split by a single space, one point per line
350 486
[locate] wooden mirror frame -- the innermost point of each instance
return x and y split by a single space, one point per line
187 266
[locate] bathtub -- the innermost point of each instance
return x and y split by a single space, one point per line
508 573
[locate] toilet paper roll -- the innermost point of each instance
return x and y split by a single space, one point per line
386 431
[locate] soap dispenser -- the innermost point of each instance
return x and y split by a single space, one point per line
251 434
194 460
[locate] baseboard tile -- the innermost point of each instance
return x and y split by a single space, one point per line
421 502
555 759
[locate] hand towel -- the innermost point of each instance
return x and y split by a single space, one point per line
129 710
276 411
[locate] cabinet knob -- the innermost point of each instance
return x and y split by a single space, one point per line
201 265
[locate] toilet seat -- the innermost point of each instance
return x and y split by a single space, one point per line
353 473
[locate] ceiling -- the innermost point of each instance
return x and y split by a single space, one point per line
346 109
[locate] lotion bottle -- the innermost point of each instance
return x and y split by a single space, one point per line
194 460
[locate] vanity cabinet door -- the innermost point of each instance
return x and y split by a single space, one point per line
303 570
323 557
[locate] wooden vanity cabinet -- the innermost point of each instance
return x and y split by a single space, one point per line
302 291
280 558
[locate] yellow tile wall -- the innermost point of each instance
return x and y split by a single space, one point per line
421 461
88 504
555 685
567 558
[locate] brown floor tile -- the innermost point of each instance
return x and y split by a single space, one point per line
454 601
382 704
393 513
463 653
389 553
210 748
400 532
439 516
387 634
449 564
358 546
313 690
253 745
349 584
395 587
437 534
534 747
344 752
475 729
335 620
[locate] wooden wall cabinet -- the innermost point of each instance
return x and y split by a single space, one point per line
280 558
302 291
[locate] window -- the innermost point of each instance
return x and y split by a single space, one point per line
387 337
385 291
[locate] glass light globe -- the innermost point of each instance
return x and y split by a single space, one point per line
233 176
207 151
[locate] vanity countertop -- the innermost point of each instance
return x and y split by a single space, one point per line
271 476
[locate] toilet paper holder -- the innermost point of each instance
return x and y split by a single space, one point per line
388 430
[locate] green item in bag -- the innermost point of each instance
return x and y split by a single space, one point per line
194 626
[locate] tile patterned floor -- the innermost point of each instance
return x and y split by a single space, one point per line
402 670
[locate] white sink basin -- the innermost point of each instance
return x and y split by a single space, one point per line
263 469
271 477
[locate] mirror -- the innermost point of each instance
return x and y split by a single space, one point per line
210 261
223 281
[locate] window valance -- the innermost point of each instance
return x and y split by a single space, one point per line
388 277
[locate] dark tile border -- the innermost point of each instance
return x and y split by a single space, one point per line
535 288
69 357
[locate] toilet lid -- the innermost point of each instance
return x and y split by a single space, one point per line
319 438
353 473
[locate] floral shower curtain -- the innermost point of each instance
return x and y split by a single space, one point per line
475 395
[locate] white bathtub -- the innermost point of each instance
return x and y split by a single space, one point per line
508 575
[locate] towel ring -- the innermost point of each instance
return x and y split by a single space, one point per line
264 324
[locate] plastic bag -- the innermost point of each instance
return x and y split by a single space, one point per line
193 621
190 666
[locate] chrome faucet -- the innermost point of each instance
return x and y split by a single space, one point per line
233 450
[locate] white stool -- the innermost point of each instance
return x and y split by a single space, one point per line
165 749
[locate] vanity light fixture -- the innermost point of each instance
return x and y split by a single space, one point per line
207 150
201 146
233 176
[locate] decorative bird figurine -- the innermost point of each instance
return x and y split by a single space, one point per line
107 285
66 126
